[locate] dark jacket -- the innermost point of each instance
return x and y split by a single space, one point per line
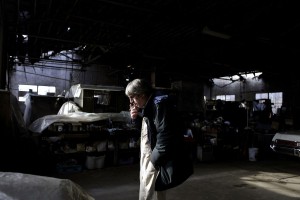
166 138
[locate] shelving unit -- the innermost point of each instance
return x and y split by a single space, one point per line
126 146
78 143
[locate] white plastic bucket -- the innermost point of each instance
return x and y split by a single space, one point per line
253 151
199 153
99 162
93 162
90 162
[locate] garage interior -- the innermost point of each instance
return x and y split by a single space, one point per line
95 47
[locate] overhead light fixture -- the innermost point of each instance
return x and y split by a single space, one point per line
207 31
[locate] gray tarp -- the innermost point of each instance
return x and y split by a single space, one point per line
17 186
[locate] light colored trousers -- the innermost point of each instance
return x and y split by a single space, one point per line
147 171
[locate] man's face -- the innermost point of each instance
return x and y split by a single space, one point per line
137 100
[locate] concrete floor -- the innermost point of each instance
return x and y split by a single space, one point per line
275 178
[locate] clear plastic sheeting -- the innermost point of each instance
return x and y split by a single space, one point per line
40 124
15 186
68 107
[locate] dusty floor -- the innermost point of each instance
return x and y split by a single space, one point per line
275 178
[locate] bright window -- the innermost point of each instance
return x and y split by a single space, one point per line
226 97
35 89
275 97
46 90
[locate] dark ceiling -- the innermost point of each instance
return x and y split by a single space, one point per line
181 39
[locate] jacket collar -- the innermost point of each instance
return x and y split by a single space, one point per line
148 106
